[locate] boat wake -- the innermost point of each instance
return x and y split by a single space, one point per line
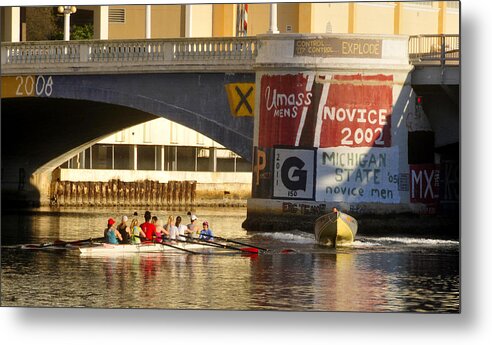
410 241
291 237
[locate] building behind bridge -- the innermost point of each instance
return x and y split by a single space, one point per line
225 20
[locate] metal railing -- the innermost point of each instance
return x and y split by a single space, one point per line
228 50
434 49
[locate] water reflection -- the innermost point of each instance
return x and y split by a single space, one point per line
380 277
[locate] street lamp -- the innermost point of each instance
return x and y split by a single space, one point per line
66 11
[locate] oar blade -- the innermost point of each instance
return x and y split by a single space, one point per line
250 250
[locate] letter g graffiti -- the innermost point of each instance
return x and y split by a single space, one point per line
299 177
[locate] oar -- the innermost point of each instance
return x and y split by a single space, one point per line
237 242
64 243
176 247
167 244
218 245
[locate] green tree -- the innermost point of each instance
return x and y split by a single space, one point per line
82 32
40 23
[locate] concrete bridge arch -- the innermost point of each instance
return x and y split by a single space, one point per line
79 110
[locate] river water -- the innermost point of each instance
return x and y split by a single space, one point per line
374 274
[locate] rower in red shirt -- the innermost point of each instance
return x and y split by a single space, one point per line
148 227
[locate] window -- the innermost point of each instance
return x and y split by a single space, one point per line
146 157
102 156
169 158
123 157
117 15
186 158
225 160
202 160
242 165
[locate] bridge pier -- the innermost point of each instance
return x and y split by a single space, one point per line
331 129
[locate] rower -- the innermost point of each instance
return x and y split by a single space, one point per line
181 227
136 232
193 229
111 234
206 233
148 227
124 230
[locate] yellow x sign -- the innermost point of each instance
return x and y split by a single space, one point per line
241 98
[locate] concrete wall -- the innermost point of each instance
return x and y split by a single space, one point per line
160 131
201 177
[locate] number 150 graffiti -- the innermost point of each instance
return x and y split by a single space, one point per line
32 85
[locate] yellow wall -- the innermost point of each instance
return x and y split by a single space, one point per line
452 25
223 20
219 20
326 15
288 14
305 18
201 21
375 18
166 22
258 19
419 20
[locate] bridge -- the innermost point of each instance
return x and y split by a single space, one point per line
64 96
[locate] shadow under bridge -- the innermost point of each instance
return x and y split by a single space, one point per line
195 100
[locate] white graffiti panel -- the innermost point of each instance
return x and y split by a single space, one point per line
362 174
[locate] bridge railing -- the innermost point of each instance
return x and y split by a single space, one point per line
440 49
228 50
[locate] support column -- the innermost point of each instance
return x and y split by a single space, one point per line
135 151
306 155
273 19
397 18
148 21
101 23
352 20
189 21
11 24
441 25
212 159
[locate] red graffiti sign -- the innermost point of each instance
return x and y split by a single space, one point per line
325 111
424 183
283 100
357 111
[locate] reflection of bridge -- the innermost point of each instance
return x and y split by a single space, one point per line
67 95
